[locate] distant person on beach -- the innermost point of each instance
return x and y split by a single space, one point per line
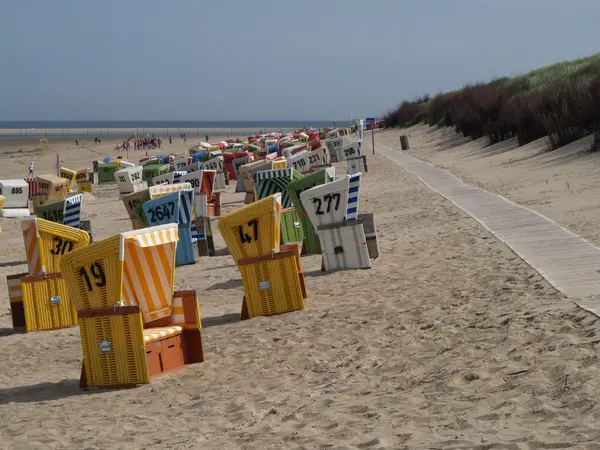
77 142
170 140
30 169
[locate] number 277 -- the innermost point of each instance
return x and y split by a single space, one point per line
328 199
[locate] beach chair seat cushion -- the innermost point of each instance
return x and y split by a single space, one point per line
154 334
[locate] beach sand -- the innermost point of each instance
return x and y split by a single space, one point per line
449 341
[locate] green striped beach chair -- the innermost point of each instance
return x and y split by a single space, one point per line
269 182
295 188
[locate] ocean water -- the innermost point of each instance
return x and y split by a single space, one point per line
62 129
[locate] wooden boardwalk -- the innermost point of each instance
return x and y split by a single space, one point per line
569 262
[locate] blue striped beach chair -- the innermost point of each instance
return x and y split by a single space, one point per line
66 212
175 207
333 210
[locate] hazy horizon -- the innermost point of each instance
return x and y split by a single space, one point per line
122 61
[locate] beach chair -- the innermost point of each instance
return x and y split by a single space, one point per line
133 325
208 201
16 194
129 179
333 210
237 163
81 176
202 181
216 164
318 159
334 145
279 163
169 178
38 299
106 172
271 274
175 207
357 165
299 161
66 212
69 175
50 188
153 168
268 182
133 204
312 245
247 172
202 232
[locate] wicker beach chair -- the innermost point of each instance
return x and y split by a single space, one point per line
271 273
133 325
38 299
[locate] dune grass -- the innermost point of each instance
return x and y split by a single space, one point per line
561 101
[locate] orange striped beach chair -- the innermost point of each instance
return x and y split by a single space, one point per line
133 325
39 299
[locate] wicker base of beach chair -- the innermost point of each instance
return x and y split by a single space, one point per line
272 284
46 303
119 352
40 303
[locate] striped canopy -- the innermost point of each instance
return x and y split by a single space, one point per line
164 189
148 257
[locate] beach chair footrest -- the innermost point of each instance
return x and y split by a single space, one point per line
164 355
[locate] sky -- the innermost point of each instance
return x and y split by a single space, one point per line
269 59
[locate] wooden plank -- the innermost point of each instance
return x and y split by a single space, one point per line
567 261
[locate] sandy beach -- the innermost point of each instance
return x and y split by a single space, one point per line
449 341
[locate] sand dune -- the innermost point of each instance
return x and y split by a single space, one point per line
449 341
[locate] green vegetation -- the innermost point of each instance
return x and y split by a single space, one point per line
561 101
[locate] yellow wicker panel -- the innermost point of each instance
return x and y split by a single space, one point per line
279 163
85 186
94 274
55 240
253 230
46 304
2 200
113 350
272 287
69 175
50 188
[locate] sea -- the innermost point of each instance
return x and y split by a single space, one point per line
102 128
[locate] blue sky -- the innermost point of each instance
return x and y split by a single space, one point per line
268 59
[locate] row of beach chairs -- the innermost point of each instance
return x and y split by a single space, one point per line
120 290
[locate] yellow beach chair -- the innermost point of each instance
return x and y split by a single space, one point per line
271 273
39 299
133 325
